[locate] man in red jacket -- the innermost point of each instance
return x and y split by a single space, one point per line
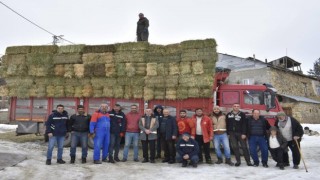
132 133
202 130
183 123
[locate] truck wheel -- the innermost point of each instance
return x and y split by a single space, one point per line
90 143
67 141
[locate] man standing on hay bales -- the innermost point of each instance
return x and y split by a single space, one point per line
56 128
117 130
142 28
100 131
79 128
148 125
202 130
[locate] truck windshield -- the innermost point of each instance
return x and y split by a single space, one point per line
254 97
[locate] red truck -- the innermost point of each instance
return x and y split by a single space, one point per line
30 114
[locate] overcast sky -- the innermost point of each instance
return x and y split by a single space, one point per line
270 29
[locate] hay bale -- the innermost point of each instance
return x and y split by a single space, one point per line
50 91
187 81
85 81
154 81
193 92
18 50
3 72
132 46
197 67
87 91
37 91
108 91
162 69
110 70
67 58
78 91
88 70
152 69
130 57
4 91
182 93
59 70
58 81
130 69
159 93
78 70
71 49
19 81
137 92
59 91
99 48
174 69
51 49
118 91
16 59
98 93
128 93
171 93
69 91
97 58
198 44
171 81
22 92
102 81
206 92
69 71
203 80
121 69
173 49
72 82
99 70
40 59
12 91
185 68
148 93
140 69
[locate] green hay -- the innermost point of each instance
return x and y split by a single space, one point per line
85 81
148 93
197 67
4 91
174 69
71 49
67 59
171 81
193 92
16 70
49 81
118 91
126 81
206 92
59 70
182 93
128 92
50 91
98 82
137 92
3 72
69 72
121 69
59 91
99 48
37 91
171 93
14 59
132 46
140 69
99 70
196 80
159 93
185 68
72 82
78 70
97 58
130 57
18 50
130 69
87 91
108 91
173 49
51 49
162 69
39 71
97 93
40 59
69 91
88 70
154 81
198 44
110 70
19 81
78 91
157 49
152 69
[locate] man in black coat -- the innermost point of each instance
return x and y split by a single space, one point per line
142 28
78 125
117 130
158 113
168 134
292 131
187 149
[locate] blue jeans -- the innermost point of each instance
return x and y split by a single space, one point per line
254 142
115 140
129 138
52 141
75 138
222 139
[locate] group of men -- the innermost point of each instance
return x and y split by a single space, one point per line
181 139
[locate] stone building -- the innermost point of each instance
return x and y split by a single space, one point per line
298 94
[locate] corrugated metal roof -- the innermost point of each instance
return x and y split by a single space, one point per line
300 98
237 63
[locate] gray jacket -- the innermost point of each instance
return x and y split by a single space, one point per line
148 123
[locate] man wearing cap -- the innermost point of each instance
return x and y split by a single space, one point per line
100 130
117 130
187 149
142 28
78 125
292 131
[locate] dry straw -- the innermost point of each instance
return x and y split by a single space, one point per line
78 70
152 69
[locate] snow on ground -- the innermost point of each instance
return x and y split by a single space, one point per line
34 167
6 128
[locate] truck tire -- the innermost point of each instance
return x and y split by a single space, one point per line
90 143
67 141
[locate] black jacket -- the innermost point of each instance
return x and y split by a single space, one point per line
142 25
158 116
117 122
171 127
57 123
297 129
79 123
236 122
189 147
266 126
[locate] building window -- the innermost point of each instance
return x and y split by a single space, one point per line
248 81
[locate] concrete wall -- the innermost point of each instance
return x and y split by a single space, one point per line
260 76
4 117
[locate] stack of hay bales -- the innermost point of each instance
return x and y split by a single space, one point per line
123 70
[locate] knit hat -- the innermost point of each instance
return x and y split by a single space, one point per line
281 114
186 134
273 128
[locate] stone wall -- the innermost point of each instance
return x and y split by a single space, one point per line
304 112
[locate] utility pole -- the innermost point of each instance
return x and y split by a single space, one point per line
56 39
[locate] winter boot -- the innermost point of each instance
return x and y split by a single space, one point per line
96 162
184 163
84 160
111 160
60 161
73 158
219 161
228 161
48 162
209 161
117 159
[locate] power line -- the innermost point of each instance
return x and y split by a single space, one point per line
34 23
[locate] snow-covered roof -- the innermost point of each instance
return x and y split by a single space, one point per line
237 63
300 98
